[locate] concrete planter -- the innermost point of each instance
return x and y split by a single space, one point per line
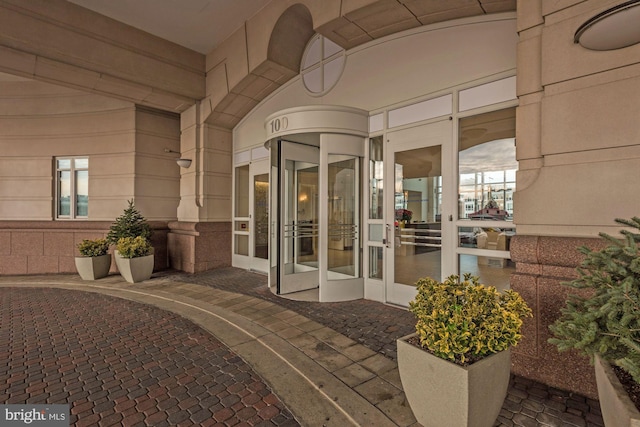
92 268
442 393
617 409
135 269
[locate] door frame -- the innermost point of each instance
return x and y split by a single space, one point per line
436 133
352 288
297 152
257 168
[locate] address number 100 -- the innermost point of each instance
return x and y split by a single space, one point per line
279 124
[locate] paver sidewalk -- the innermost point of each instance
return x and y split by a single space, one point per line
344 374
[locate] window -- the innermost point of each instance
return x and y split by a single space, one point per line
322 65
241 230
486 182
72 188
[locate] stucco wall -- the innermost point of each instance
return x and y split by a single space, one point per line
578 138
125 146
449 54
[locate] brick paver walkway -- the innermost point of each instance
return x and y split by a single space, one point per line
118 362
377 326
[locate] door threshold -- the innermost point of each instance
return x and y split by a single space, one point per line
309 295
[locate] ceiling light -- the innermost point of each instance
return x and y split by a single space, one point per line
615 28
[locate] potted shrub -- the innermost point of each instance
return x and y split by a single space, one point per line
604 322
455 369
134 257
94 261
129 225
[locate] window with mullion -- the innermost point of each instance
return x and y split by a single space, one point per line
72 188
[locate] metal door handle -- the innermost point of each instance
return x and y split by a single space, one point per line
386 240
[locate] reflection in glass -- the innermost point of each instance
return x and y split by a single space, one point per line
301 217
343 224
418 201
487 166
82 193
241 244
64 193
242 191
491 271
493 238
261 216
376 175
375 262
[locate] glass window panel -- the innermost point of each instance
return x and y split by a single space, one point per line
491 271
487 166
81 163
375 262
64 163
261 216
301 217
332 71
418 237
64 193
242 191
241 244
376 178
313 55
275 211
494 238
330 48
343 227
82 193
376 232
313 80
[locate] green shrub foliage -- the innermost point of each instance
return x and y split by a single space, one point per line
133 247
93 248
130 224
607 322
464 321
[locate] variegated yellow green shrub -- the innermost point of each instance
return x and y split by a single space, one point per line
464 321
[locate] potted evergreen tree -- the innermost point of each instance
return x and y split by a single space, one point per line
455 369
131 233
94 261
604 322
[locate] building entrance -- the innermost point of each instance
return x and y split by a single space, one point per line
316 216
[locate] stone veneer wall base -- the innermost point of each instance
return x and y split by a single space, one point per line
199 246
46 247
542 265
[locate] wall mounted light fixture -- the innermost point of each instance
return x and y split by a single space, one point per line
183 163
614 28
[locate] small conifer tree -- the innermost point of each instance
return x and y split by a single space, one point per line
606 322
130 224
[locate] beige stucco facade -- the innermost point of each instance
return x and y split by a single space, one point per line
87 85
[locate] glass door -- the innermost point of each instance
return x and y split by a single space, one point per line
343 236
417 209
340 217
295 231
260 216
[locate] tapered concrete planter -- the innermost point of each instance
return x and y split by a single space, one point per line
442 393
92 268
617 409
135 269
